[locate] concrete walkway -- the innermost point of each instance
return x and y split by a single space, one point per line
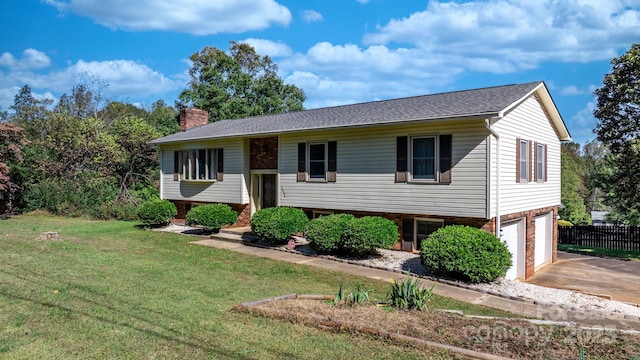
609 278
526 308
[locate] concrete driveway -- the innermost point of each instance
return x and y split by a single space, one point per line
609 278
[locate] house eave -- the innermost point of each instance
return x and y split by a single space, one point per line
463 117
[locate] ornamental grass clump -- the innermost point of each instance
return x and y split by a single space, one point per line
277 224
212 216
365 234
408 295
466 253
325 233
157 212
357 296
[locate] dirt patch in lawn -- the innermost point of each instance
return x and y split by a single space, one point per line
504 337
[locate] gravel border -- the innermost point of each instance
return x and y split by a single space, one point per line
405 262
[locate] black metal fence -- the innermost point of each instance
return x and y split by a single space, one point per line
606 237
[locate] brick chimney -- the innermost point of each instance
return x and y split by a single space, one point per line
192 117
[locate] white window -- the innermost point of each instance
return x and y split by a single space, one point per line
317 161
198 164
523 161
541 163
423 158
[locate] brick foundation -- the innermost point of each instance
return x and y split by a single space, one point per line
244 212
488 225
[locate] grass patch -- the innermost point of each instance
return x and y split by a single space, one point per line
110 290
620 254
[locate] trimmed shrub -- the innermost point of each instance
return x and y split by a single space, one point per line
325 233
564 223
466 253
212 216
277 224
367 233
157 212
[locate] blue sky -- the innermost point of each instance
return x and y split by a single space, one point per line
338 51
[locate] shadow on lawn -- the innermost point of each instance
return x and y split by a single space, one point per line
149 319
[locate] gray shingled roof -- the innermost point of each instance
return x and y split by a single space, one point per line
477 102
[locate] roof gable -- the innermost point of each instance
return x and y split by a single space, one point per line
485 102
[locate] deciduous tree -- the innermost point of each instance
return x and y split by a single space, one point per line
238 84
618 112
11 141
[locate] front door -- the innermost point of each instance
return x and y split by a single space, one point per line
269 191
264 191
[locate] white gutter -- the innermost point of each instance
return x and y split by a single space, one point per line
161 173
497 136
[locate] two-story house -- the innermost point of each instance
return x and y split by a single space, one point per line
489 158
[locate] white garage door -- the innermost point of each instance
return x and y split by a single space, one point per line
543 240
513 235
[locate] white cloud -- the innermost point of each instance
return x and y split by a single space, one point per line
571 90
581 124
126 78
200 17
508 35
311 16
31 59
268 47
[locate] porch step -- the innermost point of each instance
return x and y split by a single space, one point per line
239 235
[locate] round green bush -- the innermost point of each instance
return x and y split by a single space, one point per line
277 224
325 233
367 233
212 216
466 253
157 212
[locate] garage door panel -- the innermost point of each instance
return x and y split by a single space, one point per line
513 235
542 240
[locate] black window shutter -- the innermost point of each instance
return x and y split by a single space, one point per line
445 158
331 163
219 164
407 234
401 159
176 165
302 161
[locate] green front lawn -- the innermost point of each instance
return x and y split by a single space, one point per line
620 254
111 290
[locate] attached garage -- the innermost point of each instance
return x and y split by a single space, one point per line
513 233
543 240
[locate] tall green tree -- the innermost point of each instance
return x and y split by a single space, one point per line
163 118
30 113
618 112
237 84
573 186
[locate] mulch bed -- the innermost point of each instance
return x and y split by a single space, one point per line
503 337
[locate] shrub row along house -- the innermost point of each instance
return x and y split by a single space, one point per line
489 158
